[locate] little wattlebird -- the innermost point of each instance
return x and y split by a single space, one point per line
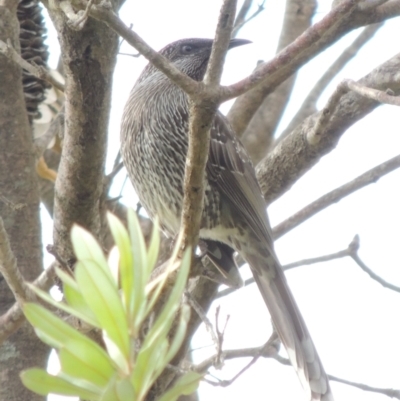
154 143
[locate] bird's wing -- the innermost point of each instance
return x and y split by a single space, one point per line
230 170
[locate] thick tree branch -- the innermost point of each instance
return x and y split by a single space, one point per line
89 57
202 111
260 132
294 155
309 105
317 38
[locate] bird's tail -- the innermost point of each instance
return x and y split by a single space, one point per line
290 326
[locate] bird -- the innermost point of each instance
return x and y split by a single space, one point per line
154 142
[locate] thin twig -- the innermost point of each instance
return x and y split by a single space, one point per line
314 135
268 350
305 262
241 20
354 255
10 271
369 177
393 393
14 317
309 105
38 71
203 316
374 94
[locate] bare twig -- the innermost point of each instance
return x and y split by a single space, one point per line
11 205
268 350
241 19
10 271
190 86
309 105
260 132
305 262
203 316
374 94
14 317
393 393
354 255
286 62
314 135
369 177
276 173
36 70
368 4
220 335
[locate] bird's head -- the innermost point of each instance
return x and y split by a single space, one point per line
191 55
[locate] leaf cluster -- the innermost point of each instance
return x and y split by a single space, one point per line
116 297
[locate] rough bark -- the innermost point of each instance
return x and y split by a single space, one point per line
19 209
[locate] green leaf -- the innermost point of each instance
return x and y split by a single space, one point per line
154 248
125 390
55 332
87 365
40 382
74 296
80 314
185 385
58 333
87 248
122 241
163 322
103 299
179 332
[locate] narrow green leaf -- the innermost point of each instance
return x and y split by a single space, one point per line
143 375
185 385
125 390
88 318
165 318
102 297
179 333
153 250
97 371
122 241
57 331
40 382
87 248
139 255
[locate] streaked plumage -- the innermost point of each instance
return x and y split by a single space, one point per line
154 140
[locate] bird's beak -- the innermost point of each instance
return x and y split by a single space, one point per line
238 42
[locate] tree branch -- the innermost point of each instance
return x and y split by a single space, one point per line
12 320
349 251
202 111
259 134
309 105
36 70
294 155
317 38
10 271
369 177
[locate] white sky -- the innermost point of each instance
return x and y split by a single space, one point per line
353 320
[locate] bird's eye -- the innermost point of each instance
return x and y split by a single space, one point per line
187 49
